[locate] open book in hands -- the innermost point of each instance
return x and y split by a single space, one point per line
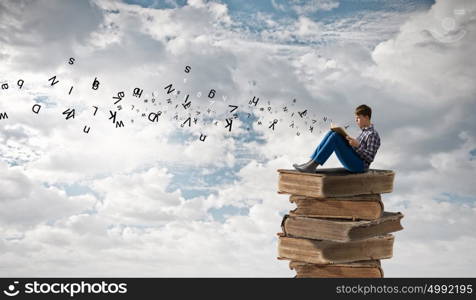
339 130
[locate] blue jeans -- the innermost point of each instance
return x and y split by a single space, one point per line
344 152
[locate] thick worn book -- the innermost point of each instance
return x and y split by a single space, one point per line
339 130
330 252
335 182
360 207
339 230
361 269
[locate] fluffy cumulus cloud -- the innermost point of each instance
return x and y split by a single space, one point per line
152 199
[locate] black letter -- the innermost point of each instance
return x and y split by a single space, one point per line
255 101
169 89
69 112
113 116
36 106
137 92
186 104
53 82
275 121
228 123
234 108
189 120
120 95
155 117
95 84
211 94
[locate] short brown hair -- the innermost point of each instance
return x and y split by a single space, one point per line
364 110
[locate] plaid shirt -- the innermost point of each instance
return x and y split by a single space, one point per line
369 143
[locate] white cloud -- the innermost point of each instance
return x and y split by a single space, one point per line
425 46
174 248
145 201
24 27
26 203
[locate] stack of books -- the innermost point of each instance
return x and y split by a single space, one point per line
339 227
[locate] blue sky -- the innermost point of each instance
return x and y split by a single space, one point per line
246 12
344 8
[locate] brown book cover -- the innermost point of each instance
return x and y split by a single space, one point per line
339 130
339 230
359 207
335 182
330 252
362 269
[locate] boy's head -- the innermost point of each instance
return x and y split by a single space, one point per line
363 113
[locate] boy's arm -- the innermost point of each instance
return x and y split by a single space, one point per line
368 152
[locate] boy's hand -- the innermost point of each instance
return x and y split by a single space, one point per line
353 142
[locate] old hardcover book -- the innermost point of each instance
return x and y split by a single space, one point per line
339 230
335 182
330 252
360 207
339 130
361 269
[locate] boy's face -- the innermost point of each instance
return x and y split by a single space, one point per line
362 121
